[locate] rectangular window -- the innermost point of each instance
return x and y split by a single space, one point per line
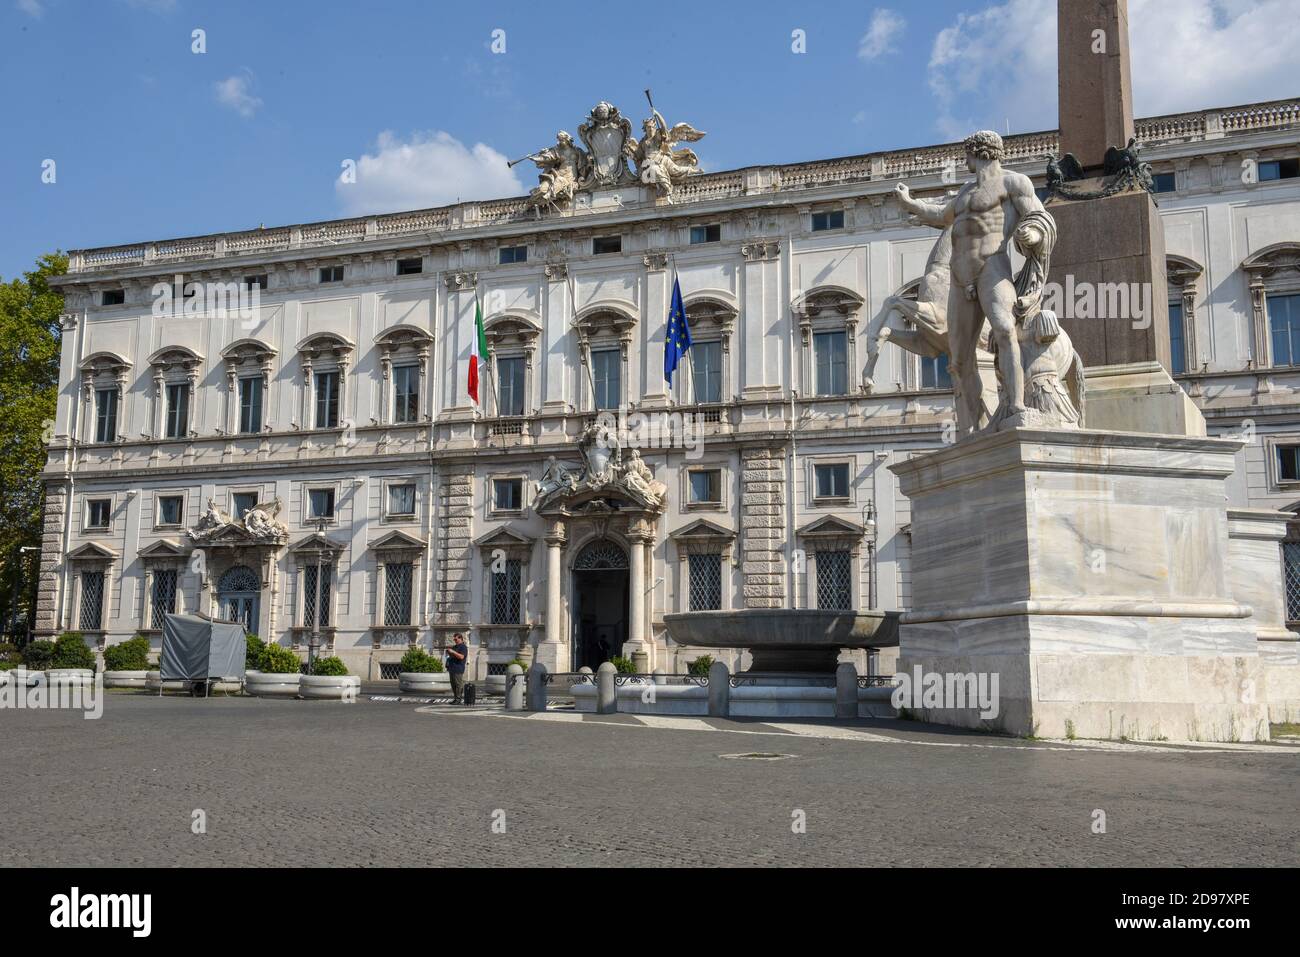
1177 339
711 233
706 486
601 245
106 415
250 405
243 503
170 508
830 351
706 367
607 373
1284 329
321 502
331 274
98 512
1288 463
507 495
1279 169
1165 182
327 400
112 297
505 593
829 219
92 600
406 393
401 499
506 255
163 598
832 480
1291 569
258 281
706 581
834 580
397 593
510 386
934 373
178 410
314 598
410 267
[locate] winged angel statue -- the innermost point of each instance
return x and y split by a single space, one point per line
658 164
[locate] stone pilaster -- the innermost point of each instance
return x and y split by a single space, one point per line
762 512
455 521
47 597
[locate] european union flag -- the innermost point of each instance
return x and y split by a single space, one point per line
678 337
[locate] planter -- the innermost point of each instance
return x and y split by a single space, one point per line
125 679
266 684
5 679
327 687
427 682
153 680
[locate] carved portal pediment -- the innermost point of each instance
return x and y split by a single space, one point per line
612 475
258 527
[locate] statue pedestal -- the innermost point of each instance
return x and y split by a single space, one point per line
1088 570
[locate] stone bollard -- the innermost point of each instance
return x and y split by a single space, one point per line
719 690
514 687
537 687
659 677
606 689
846 690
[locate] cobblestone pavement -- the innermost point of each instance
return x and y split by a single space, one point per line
411 783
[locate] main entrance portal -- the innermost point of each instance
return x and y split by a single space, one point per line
600 593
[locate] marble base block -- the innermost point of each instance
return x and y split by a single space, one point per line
1089 571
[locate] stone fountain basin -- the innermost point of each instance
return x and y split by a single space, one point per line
803 639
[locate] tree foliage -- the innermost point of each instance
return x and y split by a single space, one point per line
30 340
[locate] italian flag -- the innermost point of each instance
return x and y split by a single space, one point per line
478 352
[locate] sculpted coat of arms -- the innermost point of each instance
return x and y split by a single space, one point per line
566 168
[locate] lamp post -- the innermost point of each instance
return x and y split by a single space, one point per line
869 523
313 643
18 591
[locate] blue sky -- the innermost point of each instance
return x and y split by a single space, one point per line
152 140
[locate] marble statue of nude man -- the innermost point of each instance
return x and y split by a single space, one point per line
986 216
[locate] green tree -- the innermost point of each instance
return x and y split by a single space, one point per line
30 340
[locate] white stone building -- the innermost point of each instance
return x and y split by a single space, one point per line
338 403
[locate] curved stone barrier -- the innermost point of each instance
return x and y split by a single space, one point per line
424 682
327 687
758 701
265 684
126 679
70 677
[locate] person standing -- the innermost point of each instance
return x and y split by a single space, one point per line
457 655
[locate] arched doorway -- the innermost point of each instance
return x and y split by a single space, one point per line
600 596
238 595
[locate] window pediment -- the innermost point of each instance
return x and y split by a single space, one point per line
163 550
703 537
828 302
606 318
516 328
106 364
1182 271
506 540
326 345
404 336
175 357
317 543
711 307
248 350
92 552
832 530
397 542
1278 257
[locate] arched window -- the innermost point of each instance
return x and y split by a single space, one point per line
238 592
600 555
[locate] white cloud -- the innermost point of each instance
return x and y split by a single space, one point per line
32 8
999 64
156 6
235 92
886 27
433 169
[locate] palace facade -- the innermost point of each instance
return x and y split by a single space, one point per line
310 460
